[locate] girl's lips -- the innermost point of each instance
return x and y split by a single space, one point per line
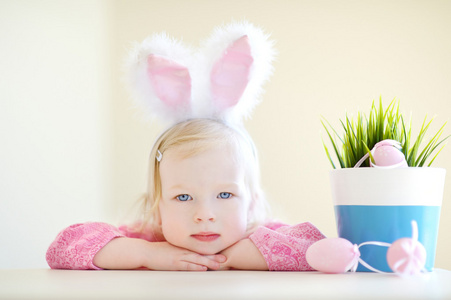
205 236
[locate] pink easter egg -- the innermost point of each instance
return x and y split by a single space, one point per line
387 155
406 256
332 255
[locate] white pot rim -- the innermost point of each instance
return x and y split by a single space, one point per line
398 186
382 169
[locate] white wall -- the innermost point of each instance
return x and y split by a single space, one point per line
72 150
54 136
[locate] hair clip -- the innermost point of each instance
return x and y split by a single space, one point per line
159 156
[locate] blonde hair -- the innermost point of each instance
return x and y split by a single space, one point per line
194 136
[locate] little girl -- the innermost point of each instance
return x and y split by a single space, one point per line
204 208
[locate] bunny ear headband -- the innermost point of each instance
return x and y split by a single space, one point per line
222 80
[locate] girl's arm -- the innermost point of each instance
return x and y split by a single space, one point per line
131 253
282 248
103 246
244 255
75 247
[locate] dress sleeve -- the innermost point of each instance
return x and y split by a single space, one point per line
75 247
284 248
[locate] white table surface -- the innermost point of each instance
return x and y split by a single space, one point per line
66 284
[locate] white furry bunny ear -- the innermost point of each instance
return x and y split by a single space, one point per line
160 79
224 80
238 61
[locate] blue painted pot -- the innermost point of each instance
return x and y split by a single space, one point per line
379 204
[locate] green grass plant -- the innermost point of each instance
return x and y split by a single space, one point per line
363 132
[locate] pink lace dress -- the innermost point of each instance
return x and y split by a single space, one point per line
282 246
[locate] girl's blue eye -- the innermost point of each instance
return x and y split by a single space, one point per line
184 197
224 195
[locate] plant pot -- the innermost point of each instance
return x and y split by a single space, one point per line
379 204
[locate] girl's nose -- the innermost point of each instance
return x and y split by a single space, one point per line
203 214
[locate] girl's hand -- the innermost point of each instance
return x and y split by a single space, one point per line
129 253
165 256
243 255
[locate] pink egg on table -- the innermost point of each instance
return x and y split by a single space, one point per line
406 256
332 255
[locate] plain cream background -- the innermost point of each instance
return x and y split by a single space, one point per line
72 150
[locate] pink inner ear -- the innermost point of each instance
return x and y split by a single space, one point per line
170 81
230 74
